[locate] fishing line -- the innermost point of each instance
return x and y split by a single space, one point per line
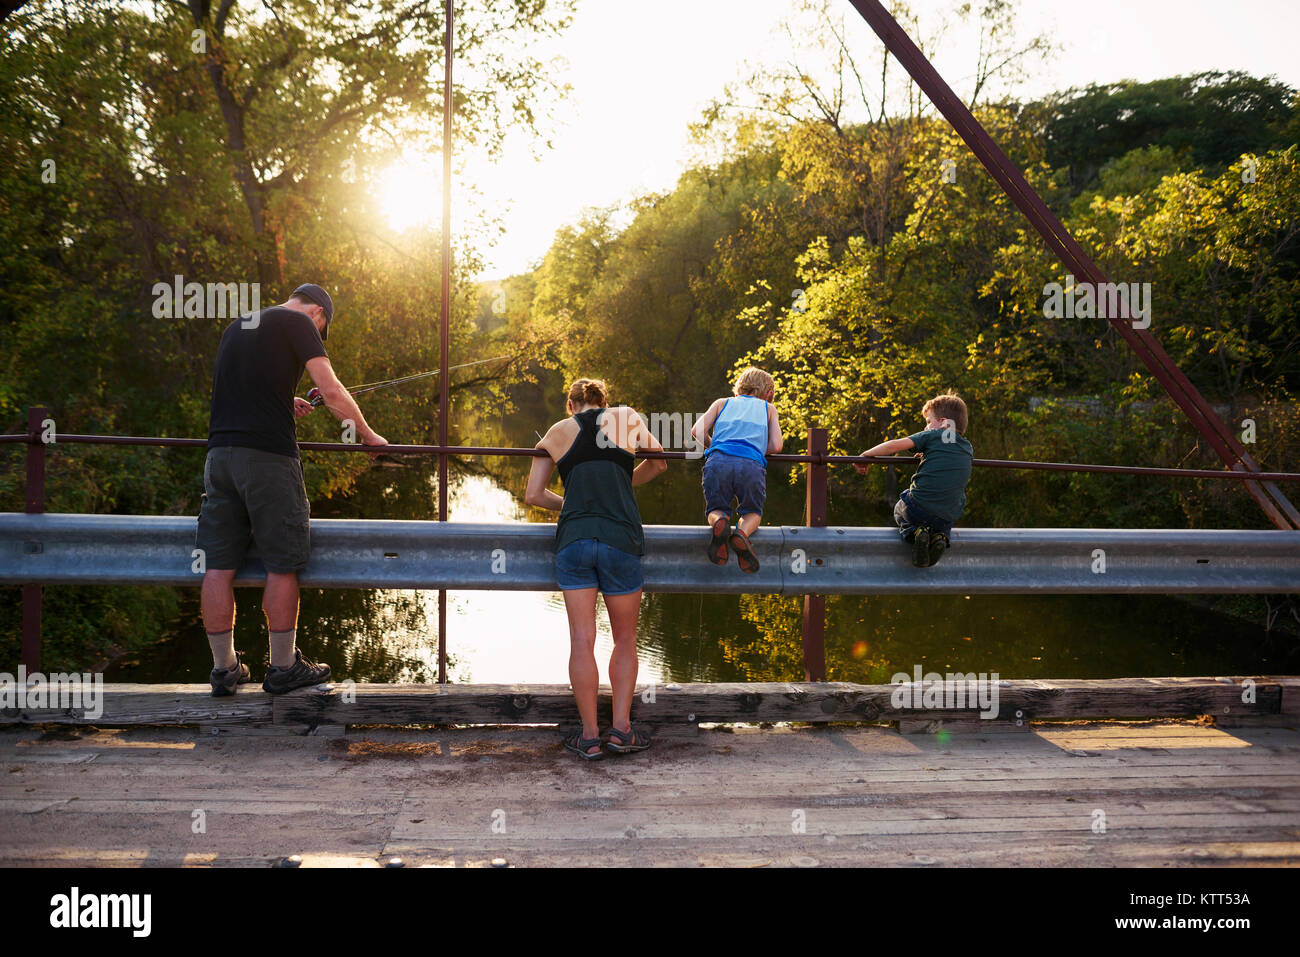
316 399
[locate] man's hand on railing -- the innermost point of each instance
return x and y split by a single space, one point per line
375 439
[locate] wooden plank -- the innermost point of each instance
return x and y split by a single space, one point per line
947 798
1184 849
1187 850
959 726
461 802
684 825
347 703
681 765
277 730
179 804
143 704
537 810
676 730
1173 793
474 805
553 822
929 757
792 753
1290 694
938 793
769 702
1291 721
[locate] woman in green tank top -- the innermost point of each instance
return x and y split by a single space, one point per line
598 548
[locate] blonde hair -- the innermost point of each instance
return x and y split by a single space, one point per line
754 381
948 405
589 392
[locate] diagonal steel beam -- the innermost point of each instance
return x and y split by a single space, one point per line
1269 497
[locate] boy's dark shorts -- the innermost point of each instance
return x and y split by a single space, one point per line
254 497
910 517
727 476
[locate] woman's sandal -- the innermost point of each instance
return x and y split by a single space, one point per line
576 743
718 545
628 741
745 556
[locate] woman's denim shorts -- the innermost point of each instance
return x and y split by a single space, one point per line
588 563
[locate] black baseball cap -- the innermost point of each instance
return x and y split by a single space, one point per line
309 290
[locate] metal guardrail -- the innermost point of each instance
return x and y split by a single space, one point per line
861 561
159 550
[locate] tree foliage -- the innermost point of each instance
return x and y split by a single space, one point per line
232 142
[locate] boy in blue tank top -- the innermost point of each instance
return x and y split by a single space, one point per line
926 510
745 429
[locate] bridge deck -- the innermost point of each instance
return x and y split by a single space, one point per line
1171 792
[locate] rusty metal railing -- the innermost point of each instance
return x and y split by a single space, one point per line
816 498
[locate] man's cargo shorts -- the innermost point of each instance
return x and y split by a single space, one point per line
251 496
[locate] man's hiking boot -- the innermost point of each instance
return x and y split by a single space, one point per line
303 673
921 547
938 544
226 680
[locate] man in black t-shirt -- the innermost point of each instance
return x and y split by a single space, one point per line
252 479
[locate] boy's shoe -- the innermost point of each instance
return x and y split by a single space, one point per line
718 544
303 673
921 547
745 556
226 680
938 543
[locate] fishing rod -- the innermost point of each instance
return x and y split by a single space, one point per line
316 399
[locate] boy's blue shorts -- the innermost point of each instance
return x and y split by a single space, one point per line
588 563
733 476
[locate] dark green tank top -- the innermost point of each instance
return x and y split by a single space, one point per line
598 499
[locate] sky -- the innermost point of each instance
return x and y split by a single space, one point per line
640 73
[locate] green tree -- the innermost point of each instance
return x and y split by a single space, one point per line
1214 117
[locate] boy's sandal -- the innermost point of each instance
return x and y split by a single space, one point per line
576 743
628 741
745 556
718 544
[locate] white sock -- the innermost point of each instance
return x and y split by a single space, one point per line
222 644
282 644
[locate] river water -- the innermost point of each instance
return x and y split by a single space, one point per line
506 637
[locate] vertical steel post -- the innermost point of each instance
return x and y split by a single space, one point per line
34 504
445 328
814 606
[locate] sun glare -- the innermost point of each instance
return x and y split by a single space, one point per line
410 195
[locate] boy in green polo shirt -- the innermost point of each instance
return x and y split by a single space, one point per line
937 496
